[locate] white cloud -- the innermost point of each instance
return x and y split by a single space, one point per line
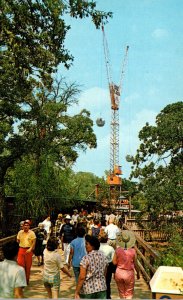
159 33
129 132
129 140
95 100
132 98
144 116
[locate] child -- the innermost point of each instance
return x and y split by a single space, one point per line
52 266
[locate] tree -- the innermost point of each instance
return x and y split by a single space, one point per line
58 189
51 130
85 183
53 137
34 198
158 161
32 45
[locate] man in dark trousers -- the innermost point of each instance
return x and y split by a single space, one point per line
67 234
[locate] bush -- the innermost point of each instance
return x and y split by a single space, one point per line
172 254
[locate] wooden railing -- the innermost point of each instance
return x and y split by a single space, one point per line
147 256
9 239
133 223
147 234
4 241
150 235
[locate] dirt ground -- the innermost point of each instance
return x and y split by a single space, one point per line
37 290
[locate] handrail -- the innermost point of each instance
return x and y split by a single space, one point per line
147 234
146 255
9 239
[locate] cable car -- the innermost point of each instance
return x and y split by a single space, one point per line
100 122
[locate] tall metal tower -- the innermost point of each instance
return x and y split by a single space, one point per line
114 178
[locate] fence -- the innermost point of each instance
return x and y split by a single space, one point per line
8 239
147 234
147 256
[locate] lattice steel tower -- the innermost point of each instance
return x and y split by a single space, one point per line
114 178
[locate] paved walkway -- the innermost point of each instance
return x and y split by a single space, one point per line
36 288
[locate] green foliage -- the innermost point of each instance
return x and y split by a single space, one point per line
82 9
171 254
84 184
55 188
32 45
139 202
129 186
33 119
53 137
35 195
158 162
51 130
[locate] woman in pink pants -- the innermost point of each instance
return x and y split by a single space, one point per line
126 260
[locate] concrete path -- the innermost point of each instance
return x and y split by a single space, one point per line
37 290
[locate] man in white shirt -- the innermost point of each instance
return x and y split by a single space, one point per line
75 217
12 276
112 231
47 226
109 253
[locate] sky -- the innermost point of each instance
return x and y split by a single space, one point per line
153 74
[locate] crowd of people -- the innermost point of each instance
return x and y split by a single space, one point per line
94 245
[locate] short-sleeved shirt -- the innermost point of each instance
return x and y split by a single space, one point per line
95 264
68 232
47 225
58 224
52 262
107 250
112 230
26 238
95 231
78 245
11 276
75 218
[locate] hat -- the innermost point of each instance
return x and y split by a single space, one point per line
27 221
40 225
75 210
125 239
68 217
21 223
